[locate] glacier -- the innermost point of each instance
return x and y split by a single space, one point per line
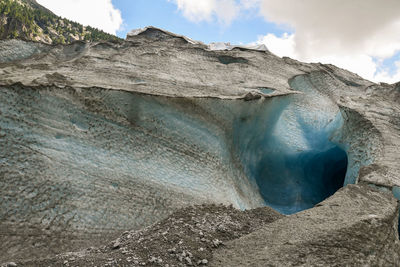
98 138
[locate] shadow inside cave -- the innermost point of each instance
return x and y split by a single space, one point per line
296 181
288 152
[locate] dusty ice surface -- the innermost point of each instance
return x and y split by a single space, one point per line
99 137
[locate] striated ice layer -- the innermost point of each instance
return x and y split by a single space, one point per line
105 159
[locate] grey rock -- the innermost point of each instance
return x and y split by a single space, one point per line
203 261
188 261
355 227
116 244
153 259
216 243
251 96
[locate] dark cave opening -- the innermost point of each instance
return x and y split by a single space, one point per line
294 182
290 154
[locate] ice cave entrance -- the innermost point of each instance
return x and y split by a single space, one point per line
289 153
291 182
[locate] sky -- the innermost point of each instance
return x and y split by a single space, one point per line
362 36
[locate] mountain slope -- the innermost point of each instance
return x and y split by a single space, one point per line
28 20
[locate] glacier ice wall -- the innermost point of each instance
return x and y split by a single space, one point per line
105 159
101 137
77 158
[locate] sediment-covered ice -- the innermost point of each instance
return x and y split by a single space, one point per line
98 137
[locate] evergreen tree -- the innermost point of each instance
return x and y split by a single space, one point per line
27 22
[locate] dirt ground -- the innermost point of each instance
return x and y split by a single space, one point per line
186 238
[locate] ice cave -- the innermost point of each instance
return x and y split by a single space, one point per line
101 138
292 175
287 147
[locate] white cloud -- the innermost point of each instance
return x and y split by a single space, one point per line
226 10
280 46
223 11
339 26
96 13
356 35
197 10
389 78
247 4
357 62
361 64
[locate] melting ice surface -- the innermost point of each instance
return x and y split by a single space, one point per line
109 146
286 149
